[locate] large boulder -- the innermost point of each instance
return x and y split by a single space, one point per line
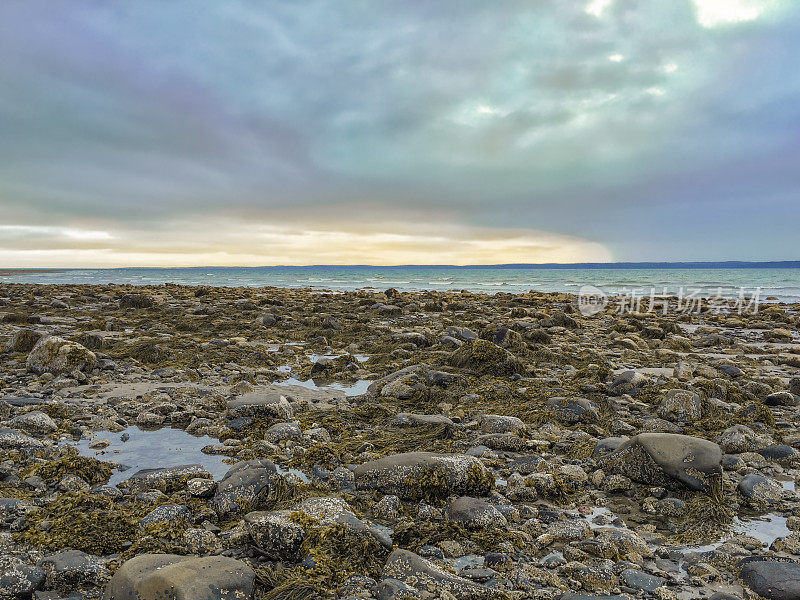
667 460
771 577
275 533
171 577
58 356
422 575
34 423
24 340
411 475
244 486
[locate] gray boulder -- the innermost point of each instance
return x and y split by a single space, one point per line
680 406
275 533
171 577
771 578
163 479
34 423
667 460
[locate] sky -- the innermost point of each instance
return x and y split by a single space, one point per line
181 133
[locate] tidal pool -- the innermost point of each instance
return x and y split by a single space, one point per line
165 447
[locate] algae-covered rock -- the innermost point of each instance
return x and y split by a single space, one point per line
171 577
415 571
482 356
58 356
244 485
417 475
667 459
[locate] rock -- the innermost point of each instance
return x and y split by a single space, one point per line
58 356
275 533
166 513
163 479
782 399
261 406
244 485
283 431
482 356
136 301
69 570
171 577
404 475
21 581
666 459
414 420
14 440
416 572
34 423
573 410
475 513
731 371
680 406
758 489
627 382
778 452
737 439
266 319
201 488
771 578
500 424
24 340
327 511
641 581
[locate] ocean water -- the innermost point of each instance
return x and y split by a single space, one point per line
767 282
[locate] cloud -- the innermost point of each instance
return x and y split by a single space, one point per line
574 118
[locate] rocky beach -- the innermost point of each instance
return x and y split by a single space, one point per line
220 443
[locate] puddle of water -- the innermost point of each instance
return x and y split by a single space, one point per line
154 449
353 389
765 529
790 486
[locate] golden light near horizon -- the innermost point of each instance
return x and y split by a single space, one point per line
253 243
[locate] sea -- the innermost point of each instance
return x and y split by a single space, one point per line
767 281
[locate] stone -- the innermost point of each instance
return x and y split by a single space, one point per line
163 479
21 581
58 356
778 452
275 533
34 423
14 440
397 474
171 577
69 570
758 489
244 485
500 424
24 340
641 581
280 432
573 410
258 406
475 513
667 460
680 406
771 578
416 572
782 399
166 513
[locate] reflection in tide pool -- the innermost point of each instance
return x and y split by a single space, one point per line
152 450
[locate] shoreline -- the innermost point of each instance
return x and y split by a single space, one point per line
476 437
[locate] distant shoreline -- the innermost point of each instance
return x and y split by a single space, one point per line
735 264
9 272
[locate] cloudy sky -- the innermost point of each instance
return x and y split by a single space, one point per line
153 132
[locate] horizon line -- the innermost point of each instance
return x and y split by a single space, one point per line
586 265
